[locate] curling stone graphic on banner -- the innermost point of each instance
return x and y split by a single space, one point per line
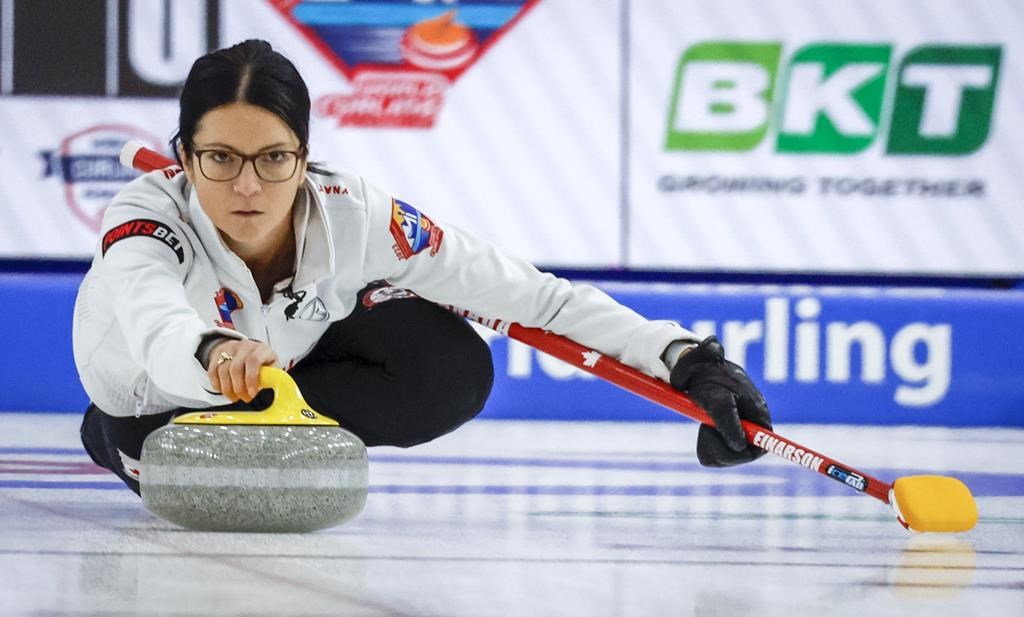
284 469
439 44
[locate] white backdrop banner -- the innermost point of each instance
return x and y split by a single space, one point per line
497 116
760 135
848 136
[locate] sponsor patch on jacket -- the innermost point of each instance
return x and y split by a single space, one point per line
314 310
413 232
146 228
227 302
332 189
383 294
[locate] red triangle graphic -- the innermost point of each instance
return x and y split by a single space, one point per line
431 45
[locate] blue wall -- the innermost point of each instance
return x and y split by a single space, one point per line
921 356
37 373
935 357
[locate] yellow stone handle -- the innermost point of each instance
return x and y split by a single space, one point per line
288 408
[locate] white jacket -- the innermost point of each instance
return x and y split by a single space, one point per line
162 279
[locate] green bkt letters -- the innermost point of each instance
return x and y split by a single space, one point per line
831 98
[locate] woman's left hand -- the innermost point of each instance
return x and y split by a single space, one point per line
725 391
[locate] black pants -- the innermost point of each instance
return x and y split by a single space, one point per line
400 372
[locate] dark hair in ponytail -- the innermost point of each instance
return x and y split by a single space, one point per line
249 72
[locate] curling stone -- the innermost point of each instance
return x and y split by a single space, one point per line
284 469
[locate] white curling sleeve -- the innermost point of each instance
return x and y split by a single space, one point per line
473 275
136 319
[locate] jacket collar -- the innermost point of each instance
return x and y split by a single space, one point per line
314 249
314 242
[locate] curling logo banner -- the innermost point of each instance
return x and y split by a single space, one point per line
450 104
87 166
865 356
400 56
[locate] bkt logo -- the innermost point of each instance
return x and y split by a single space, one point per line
831 96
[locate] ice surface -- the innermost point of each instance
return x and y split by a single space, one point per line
531 519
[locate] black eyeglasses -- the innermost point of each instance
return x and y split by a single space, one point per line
270 166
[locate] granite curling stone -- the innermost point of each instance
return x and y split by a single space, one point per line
284 469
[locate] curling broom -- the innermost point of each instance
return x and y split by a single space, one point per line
921 503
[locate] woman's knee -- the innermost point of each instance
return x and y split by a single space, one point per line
91 432
445 394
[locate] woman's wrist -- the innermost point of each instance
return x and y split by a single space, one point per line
206 346
676 350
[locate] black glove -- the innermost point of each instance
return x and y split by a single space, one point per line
725 391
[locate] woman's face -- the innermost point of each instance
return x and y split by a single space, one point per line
251 213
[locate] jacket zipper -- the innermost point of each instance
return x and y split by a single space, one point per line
265 309
141 403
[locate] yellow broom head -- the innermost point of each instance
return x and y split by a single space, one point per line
933 503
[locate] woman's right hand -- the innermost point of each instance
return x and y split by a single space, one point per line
234 368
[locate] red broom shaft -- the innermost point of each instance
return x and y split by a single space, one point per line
665 395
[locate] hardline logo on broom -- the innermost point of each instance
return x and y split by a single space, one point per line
399 60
